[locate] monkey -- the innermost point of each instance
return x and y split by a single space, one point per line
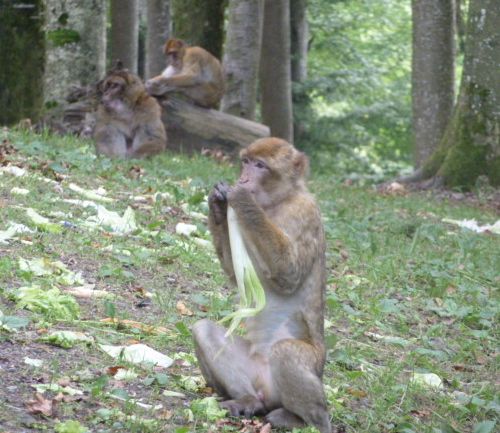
276 369
190 71
128 120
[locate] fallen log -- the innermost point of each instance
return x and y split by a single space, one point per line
191 128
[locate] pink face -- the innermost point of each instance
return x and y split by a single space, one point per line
253 173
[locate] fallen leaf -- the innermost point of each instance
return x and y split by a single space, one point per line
358 393
183 310
40 405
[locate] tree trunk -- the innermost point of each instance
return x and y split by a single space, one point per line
299 35
299 38
158 31
23 49
200 23
76 46
241 57
191 128
125 33
471 144
433 73
275 74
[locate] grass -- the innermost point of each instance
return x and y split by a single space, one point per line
407 294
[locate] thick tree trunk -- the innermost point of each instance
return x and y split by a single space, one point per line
76 45
275 74
471 144
191 128
23 49
158 31
299 32
241 57
125 33
201 23
433 73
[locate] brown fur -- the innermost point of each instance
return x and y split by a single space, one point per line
129 121
192 72
276 368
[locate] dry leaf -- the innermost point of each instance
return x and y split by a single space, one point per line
183 310
40 405
165 414
111 371
358 393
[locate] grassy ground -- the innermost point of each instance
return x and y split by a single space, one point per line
408 295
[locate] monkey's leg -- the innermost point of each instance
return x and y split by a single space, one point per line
300 389
228 368
110 141
150 139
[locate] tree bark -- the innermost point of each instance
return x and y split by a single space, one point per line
275 74
241 57
22 46
200 23
125 33
76 46
191 128
299 36
158 31
433 73
471 144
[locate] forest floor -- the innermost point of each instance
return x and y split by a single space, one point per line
412 301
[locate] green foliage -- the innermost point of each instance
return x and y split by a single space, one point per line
357 95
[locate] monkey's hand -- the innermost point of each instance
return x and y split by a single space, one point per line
239 194
247 406
217 201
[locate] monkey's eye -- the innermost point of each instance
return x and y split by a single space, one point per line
260 164
244 160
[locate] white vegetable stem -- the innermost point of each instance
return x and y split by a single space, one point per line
252 295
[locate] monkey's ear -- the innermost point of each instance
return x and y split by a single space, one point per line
301 164
118 66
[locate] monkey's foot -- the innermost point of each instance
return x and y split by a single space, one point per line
282 418
246 406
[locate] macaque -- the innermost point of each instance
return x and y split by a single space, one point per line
276 368
191 71
128 123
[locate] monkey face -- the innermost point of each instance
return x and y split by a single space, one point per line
120 91
271 170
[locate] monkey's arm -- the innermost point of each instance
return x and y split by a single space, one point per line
217 224
283 262
150 139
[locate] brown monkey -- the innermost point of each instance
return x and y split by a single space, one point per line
276 369
128 123
191 71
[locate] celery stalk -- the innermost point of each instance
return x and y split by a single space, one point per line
252 295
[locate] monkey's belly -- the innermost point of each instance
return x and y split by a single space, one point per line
269 327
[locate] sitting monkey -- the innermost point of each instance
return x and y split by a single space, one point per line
191 71
276 369
128 120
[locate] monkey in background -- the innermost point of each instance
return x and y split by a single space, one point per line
190 71
277 368
128 120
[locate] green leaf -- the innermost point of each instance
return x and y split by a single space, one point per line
484 427
70 427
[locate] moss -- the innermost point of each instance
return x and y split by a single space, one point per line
469 141
60 37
